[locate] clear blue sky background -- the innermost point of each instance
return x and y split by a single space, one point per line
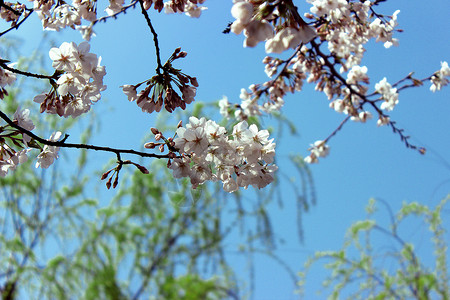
365 161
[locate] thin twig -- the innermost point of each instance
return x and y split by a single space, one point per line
155 38
123 10
336 130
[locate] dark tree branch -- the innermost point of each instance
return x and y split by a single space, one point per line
17 25
114 16
337 129
155 38
63 144
28 74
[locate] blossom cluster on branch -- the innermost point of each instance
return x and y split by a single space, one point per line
159 90
325 50
244 157
79 83
57 15
328 51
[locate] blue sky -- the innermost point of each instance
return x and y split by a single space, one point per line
364 162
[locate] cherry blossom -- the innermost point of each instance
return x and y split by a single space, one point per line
325 47
22 118
49 153
6 78
9 159
318 149
388 94
209 153
440 78
80 83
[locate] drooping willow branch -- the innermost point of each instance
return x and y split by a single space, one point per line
63 144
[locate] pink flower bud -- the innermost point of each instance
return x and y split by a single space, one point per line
105 175
108 184
116 181
149 145
142 169
194 81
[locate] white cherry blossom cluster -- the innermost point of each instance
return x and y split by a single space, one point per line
14 144
10 156
318 149
249 101
190 8
344 27
79 84
347 26
388 94
10 159
254 20
208 152
11 15
6 78
440 78
57 15
49 153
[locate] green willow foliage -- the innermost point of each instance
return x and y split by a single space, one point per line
356 271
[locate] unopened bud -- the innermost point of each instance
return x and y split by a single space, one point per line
142 169
105 175
158 136
182 78
182 54
150 145
161 147
194 81
154 130
108 184
116 181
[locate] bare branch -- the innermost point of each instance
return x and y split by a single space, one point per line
155 37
